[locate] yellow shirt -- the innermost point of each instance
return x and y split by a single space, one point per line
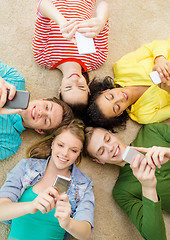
133 69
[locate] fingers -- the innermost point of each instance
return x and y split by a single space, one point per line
69 28
45 201
141 149
6 87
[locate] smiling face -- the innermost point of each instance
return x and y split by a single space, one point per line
106 147
42 114
66 148
74 89
112 102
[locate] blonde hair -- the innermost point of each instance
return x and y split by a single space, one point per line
42 148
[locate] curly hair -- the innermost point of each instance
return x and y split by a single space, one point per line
95 116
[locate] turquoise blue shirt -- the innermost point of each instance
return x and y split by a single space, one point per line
31 170
37 226
10 125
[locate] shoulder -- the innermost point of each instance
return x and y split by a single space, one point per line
80 177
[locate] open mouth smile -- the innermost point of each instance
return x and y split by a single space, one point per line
116 153
125 95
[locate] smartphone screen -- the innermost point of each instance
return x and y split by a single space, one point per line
62 184
129 154
20 100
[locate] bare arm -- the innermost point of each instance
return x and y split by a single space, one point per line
10 210
44 202
68 28
92 27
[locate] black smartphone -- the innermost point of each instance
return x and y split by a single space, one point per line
20 100
62 183
130 153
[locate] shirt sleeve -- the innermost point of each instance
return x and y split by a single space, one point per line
13 187
12 76
153 134
145 214
85 209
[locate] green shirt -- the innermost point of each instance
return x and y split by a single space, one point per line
144 213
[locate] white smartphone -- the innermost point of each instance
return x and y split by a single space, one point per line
155 77
20 100
130 153
62 183
85 45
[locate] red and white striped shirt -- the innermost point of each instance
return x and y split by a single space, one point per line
50 48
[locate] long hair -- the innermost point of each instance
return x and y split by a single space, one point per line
67 114
42 148
94 114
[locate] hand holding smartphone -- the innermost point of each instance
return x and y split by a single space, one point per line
130 153
62 184
20 100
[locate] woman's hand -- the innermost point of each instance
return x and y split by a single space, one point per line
91 27
68 29
155 156
44 202
63 210
162 66
4 88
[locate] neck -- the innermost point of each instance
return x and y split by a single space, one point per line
53 171
136 92
69 68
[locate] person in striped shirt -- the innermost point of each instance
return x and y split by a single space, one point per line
54 44
42 115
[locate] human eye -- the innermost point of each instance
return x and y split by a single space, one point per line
116 108
74 150
68 87
101 151
46 107
107 138
59 144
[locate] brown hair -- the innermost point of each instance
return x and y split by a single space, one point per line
42 149
67 114
88 135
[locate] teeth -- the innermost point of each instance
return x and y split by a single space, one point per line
116 152
125 95
61 159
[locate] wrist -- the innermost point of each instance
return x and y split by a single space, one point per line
158 58
150 193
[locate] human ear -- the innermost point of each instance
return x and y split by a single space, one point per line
97 160
59 91
39 131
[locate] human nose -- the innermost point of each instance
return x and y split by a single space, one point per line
65 152
109 147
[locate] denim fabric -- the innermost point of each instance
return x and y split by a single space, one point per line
30 171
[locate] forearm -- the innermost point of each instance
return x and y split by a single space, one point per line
50 11
79 229
102 12
10 210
